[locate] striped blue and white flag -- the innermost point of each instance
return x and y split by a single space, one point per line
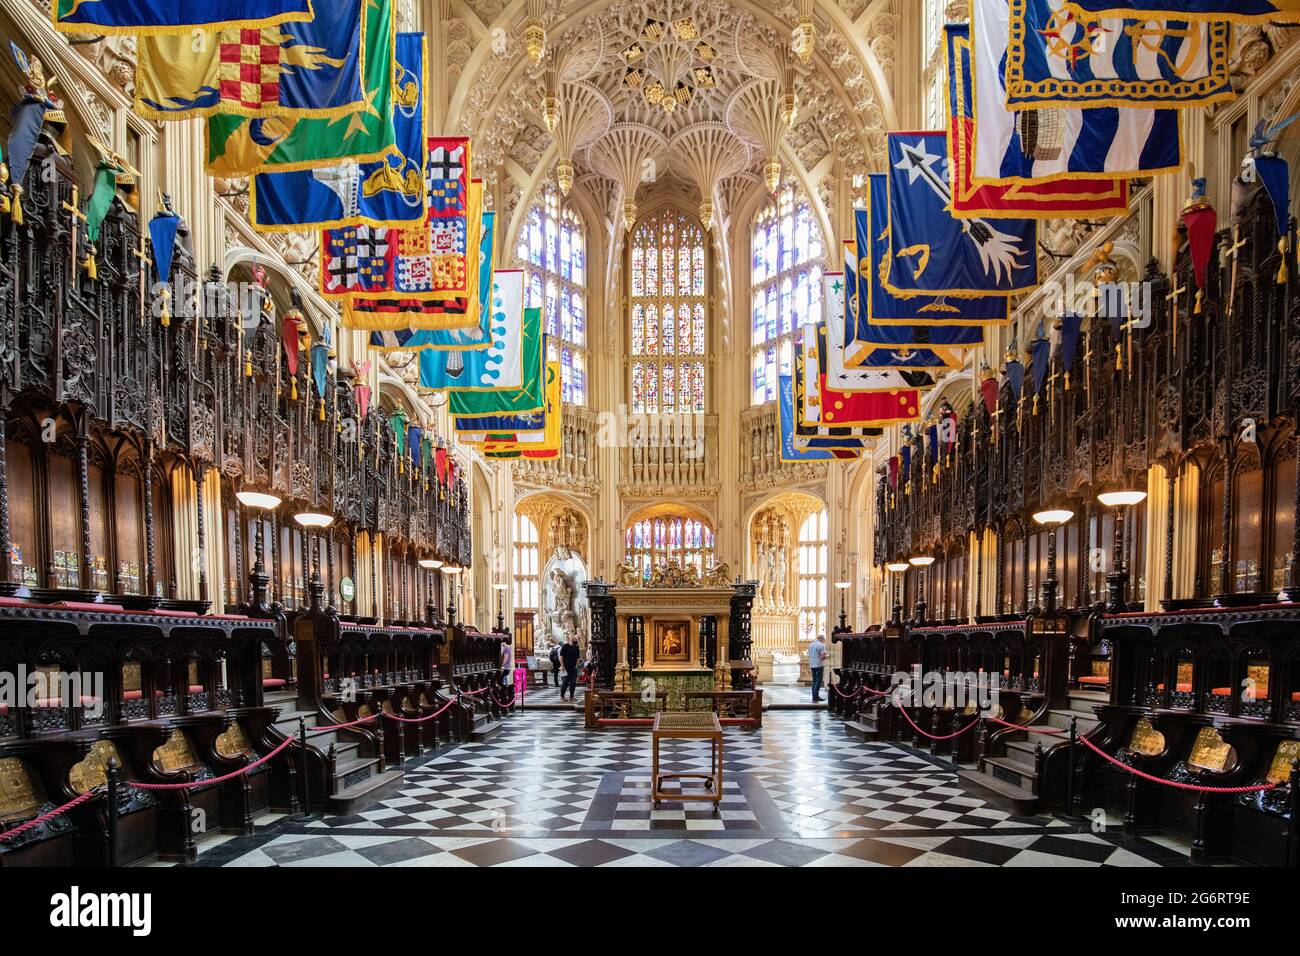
1239 11
1058 56
1045 145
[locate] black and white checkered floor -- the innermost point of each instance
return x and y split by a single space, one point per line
545 792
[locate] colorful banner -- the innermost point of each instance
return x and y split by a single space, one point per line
461 340
542 445
522 401
819 405
390 192
312 68
148 17
1238 11
1059 56
830 349
930 251
239 146
501 365
1036 145
1054 199
785 410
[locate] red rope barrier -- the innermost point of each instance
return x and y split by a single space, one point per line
836 688
1171 783
506 703
420 720
360 720
474 693
903 711
1032 730
57 811
207 783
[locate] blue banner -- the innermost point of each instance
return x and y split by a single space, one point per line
932 252
174 16
389 192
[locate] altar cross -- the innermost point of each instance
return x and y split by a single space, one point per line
1172 298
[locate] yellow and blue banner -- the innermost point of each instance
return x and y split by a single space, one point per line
1238 11
388 192
932 252
312 68
240 146
147 17
1058 55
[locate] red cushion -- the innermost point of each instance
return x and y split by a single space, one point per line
273 681
1094 680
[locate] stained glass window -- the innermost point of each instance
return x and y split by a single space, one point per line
668 315
813 576
524 564
651 542
552 249
786 284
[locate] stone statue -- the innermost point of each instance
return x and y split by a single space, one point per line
779 588
564 599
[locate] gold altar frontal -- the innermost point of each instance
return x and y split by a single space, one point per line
691 725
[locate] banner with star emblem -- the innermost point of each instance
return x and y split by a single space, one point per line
390 192
1019 146
1057 55
1238 11
238 146
1065 198
932 252
313 68
500 365
150 17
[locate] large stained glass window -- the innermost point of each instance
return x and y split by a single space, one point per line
663 536
523 564
553 252
669 312
813 576
786 281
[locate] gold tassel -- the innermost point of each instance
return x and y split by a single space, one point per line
293 389
165 316
1196 310
92 272
1282 275
17 211
320 413
1035 404
248 365
1067 380
935 480
1119 358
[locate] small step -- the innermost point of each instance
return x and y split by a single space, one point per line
1061 719
1012 773
279 698
864 728
1023 802
485 728
1022 752
367 792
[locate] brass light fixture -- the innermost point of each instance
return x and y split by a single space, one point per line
535 39
564 172
551 111
772 174
629 215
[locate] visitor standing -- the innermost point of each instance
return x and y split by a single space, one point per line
569 655
817 665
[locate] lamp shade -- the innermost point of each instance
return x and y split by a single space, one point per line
922 560
258 499
1053 516
500 587
897 566
1114 499
452 569
313 519
842 585
430 564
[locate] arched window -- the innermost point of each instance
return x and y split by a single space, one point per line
553 251
664 537
812 575
786 281
669 333
523 564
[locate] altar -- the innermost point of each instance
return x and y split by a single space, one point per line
674 634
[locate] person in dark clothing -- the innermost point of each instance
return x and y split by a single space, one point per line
569 655
555 663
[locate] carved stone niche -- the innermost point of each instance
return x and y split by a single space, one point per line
559 523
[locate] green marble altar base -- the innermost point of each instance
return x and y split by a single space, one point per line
672 683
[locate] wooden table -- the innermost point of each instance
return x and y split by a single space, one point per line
688 725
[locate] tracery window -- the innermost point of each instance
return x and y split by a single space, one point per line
658 539
813 579
669 333
786 284
553 250
523 564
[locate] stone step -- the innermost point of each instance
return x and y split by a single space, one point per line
1061 720
863 728
366 792
485 728
1021 800
1012 773
1022 752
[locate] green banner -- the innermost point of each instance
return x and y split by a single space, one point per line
531 398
